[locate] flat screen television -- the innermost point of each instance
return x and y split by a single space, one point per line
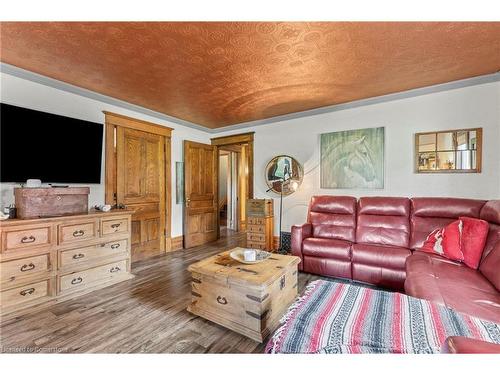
52 148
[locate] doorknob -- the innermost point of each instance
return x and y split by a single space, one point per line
187 202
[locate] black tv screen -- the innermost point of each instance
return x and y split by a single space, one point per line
52 148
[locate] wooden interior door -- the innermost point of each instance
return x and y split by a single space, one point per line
140 177
201 195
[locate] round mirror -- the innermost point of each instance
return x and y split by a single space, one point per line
284 171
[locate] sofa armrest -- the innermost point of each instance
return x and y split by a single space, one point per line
299 234
465 345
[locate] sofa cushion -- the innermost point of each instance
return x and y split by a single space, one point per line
328 204
453 284
328 267
378 255
474 235
491 213
381 276
472 301
385 206
333 217
492 239
447 271
428 214
423 286
490 267
383 221
327 248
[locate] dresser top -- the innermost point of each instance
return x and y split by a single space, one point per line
90 214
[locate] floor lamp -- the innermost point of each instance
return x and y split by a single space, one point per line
293 187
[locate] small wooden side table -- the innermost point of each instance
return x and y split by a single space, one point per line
260 224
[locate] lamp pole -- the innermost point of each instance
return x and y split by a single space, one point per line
280 249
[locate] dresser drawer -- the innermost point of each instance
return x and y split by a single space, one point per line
74 257
257 245
13 239
256 228
84 279
75 232
24 267
260 207
256 237
24 294
251 220
114 226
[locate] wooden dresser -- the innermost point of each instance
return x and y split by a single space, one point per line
47 260
260 224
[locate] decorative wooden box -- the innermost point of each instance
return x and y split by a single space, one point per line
260 207
249 299
260 224
47 202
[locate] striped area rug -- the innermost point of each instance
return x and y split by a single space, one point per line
334 317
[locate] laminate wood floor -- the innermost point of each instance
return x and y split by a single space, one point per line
144 315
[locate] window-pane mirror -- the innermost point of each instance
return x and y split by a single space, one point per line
449 151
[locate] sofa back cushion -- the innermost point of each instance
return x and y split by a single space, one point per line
490 266
491 213
428 214
333 217
383 221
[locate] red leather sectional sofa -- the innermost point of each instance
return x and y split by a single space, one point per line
466 345
376 240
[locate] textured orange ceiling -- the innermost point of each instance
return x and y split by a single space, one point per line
222 73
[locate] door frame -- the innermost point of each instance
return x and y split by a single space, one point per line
237 139
114 120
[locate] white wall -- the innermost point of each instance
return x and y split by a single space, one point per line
475 106
24 93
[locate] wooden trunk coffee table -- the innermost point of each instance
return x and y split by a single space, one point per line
248 299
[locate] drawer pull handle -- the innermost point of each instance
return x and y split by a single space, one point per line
115 225
78 280
222 300
114 269
115 246
282 282
27 267
78 256
28 239
27 291
78 233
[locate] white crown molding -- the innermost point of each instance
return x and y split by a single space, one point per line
54 83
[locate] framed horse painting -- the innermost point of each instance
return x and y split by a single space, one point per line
353 159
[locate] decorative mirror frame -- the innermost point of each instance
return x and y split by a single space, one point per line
478 149
299 181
